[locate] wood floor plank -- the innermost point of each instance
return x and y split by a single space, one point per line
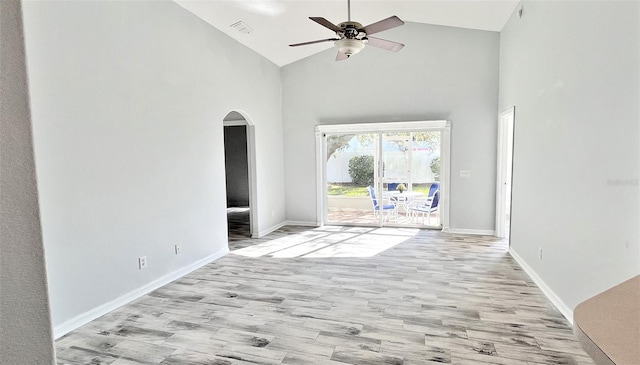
339 295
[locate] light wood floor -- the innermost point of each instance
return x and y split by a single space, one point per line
337 295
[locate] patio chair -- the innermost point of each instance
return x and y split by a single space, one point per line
424 206
379 206
433 188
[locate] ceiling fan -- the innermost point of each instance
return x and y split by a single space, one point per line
352 36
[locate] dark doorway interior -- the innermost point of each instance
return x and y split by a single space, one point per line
237 178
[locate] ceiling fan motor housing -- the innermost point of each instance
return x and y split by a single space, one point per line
351 30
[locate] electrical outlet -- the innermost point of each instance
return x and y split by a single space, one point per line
540 253
142 262
177 249
465 173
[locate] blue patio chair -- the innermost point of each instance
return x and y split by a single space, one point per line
379 206
426 207
433 188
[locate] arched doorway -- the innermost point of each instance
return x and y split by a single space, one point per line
239 147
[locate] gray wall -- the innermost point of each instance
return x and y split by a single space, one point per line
25 325
442 73
236 166
128 100
571 70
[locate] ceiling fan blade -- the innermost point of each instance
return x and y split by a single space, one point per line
341 56
390 22
314 42
325 23
385 44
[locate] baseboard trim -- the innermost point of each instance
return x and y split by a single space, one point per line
105 308
265 232
285 223
301 223
480 232
546 290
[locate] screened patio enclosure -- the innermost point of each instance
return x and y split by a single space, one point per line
384 174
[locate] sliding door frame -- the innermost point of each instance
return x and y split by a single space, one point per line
444 126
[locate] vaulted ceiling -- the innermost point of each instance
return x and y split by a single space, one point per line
275 24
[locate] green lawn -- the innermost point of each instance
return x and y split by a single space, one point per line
423 188
350 190
347 190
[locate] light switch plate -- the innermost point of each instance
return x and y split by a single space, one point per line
142 262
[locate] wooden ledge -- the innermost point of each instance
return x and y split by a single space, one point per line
608 325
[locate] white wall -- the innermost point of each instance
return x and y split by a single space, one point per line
442 73
25 322
571 70
128 100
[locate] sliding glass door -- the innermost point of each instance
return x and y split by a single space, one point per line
382 178
409 162
352 161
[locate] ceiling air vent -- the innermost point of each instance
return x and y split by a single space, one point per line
241 27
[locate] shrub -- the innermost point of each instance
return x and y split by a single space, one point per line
435 168
361 170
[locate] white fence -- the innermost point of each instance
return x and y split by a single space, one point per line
338 166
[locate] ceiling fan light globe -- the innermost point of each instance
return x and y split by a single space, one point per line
349 46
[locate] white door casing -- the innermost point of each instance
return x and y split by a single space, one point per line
503 175
251 164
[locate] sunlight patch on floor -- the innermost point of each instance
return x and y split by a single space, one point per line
315 245
270 247
331 241
366 245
